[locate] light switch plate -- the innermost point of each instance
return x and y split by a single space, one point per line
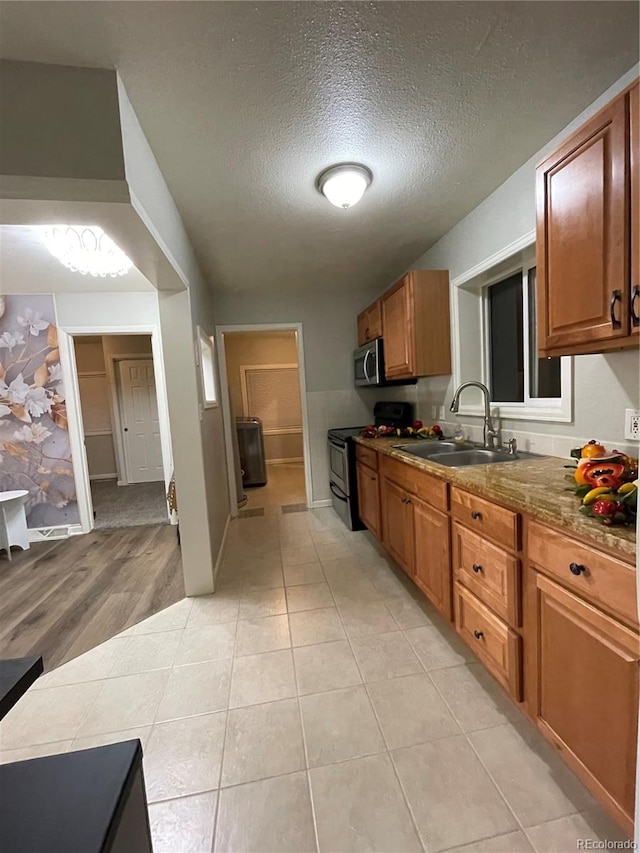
441 414
632 425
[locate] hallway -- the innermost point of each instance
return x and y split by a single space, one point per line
315 702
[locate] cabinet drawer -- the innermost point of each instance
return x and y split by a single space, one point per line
489 572
429 489
595 576
495 643
490 520
367 456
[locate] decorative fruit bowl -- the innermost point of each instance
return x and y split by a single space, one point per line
416 430
604 482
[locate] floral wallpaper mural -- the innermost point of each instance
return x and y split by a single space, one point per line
34 437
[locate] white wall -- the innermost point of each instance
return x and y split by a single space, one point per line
604 385
201 474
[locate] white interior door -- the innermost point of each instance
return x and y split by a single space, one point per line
139 421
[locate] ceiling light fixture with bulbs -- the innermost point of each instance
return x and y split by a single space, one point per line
86 249
344 184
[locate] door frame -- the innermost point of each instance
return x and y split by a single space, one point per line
226 407
66 336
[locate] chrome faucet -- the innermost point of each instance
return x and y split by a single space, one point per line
490 434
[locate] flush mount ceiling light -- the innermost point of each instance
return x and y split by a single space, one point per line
86 249
344 185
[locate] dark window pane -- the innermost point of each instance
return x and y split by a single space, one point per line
544 379
506 347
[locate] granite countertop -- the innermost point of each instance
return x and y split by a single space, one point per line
534 486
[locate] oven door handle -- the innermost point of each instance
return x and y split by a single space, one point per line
338 445
364 366
340 496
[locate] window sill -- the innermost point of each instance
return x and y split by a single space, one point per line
520 413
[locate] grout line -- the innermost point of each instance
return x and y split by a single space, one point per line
386 752
224 743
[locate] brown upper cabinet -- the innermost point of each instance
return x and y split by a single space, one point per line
634 121
370 324
415 325
584 236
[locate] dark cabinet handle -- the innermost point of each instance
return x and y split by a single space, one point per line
577 569
476 568
126 429
408 500
635 293
478 635
616 296
475 515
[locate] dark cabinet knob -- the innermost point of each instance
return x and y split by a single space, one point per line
478 635
126 429
476 568
475 515
577 569
408 500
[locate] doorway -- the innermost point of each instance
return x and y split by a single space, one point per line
121 428
266 411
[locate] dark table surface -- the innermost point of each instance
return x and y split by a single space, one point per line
16 677
69 803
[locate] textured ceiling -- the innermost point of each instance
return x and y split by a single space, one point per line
27 266
244 103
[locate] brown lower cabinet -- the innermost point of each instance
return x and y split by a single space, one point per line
369 498
583 691
432 555
397 524
555 622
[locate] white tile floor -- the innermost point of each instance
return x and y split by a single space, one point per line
316 702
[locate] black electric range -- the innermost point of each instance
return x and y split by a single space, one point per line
343 481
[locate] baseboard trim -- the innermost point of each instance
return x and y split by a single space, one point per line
58 531
223 542
320 504
103 476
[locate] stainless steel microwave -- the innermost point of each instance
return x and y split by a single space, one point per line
368 364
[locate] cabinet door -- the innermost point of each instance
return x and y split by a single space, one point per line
397 322
432 562
582 235
362 323
375 320
634 114
397 524
585 691
369 498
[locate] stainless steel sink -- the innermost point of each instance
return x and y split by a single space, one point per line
426 449
480 456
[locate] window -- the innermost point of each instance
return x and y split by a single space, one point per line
516 373
495 341
207 369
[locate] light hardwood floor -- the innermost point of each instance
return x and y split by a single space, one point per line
285 485
60 599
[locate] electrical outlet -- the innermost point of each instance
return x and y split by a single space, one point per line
434 411
632 425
